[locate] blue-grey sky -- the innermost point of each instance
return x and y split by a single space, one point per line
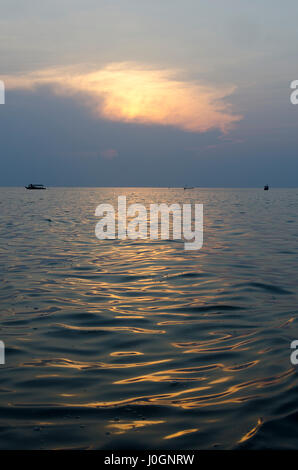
159 93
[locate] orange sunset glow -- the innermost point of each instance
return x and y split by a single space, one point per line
133 93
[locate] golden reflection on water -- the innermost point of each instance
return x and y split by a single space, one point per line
130 317
122 427
126 353
252 432
131 329
181 433
220 380
68 364
224 397
171 375
200 349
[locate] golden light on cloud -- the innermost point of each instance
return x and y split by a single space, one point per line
128 92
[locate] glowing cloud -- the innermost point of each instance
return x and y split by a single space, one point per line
128 92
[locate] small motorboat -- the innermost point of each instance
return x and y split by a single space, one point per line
188 187
266 187
35 186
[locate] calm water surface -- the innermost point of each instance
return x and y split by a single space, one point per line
140 344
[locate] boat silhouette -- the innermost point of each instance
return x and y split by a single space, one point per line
35 186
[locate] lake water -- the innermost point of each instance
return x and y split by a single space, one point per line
121 344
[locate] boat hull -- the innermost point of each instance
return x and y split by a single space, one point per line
34 188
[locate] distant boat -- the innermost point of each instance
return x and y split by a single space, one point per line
35 186
266 187
188 187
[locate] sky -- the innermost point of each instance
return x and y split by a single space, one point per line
138 93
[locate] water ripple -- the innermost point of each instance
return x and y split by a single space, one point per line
125 344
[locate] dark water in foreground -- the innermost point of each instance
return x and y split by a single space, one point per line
139 344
